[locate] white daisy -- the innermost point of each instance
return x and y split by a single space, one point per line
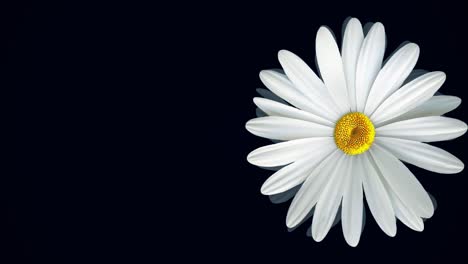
344 134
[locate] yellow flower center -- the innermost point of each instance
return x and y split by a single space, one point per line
354 133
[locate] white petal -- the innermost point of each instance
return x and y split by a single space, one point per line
280 85
422 155
295 173
307 82
335 222
330 200
377 196
269 95
369 63
331 68
282 128
435 106
392 75
402 212
408 97
289 151
352 206
273 108
309 193
352 41
424 129
402 182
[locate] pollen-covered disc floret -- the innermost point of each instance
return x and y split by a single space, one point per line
354 133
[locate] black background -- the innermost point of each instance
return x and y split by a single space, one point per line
130 143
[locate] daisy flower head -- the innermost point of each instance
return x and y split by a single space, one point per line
342 137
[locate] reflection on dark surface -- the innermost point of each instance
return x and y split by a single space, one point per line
284 196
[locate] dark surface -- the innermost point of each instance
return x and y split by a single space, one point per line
130 142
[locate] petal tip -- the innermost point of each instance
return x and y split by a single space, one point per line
282 54
263 73
461 167
413 48
290 223
457 102
392 233
464 124
444 76
267 189
323 30
378 25
354 20
264 189
318 236
248 125
420 227
352 242
391 229
412 45
257 100
354 23
463 127
428 212
251 157
352 239
440 75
